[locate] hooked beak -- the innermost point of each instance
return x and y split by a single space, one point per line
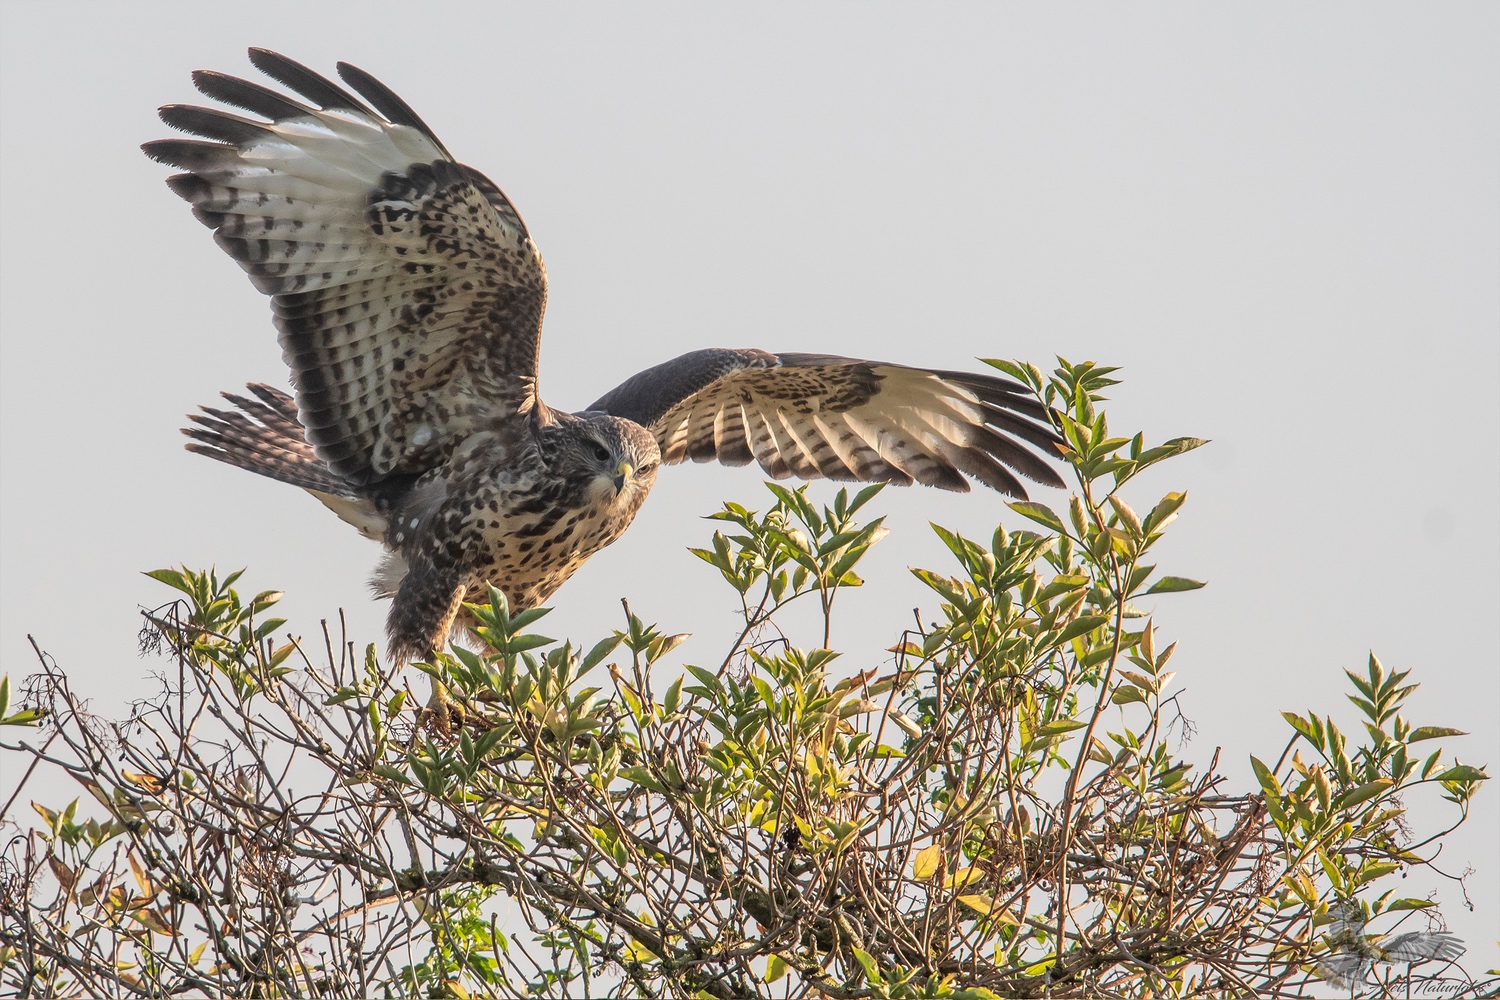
622 475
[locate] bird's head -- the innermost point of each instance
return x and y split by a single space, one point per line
616 458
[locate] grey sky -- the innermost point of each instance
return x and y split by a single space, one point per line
1284 221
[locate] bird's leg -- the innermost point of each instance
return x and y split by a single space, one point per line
442 713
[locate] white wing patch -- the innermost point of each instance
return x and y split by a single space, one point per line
406 289
302 194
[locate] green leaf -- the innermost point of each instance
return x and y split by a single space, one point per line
264 600
664 644
390 773
268 626
1163 513
1182 445
641 776
601 649
1409 904
1463 772
1058 728
707 678
25 717
521 643
1078 626
172 578
1370 873
1061 584
1040 513
1174 584
1362 793
1304 727
1417 735
674 697
1010 368
1268 782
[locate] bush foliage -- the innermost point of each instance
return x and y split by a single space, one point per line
1001 809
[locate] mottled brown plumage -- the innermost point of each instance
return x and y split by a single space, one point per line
408 296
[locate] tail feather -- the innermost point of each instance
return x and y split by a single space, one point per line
262 435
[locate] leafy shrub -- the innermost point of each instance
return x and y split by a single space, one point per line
998 811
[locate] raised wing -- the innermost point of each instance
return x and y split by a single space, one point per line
406 290
814 415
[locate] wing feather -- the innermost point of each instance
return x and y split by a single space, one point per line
406 289
326 94
731 439
804 431
792 450
385 100
248 96
815 416
763 444
855 452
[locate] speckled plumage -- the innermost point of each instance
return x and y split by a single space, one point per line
408 296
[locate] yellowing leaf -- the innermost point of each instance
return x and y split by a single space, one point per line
962 877
141 878
65 875
95 892
984 905
154 921
776 967
926 863
148 783
907 726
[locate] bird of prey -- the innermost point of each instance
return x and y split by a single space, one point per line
408 295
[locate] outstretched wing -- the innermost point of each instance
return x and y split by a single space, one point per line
815 415
406 290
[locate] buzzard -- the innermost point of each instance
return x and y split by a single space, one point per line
408 296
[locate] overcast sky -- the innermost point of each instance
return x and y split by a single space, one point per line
1282 220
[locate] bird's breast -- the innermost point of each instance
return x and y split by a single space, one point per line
521 530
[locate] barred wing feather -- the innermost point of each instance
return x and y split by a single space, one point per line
823 416
405 287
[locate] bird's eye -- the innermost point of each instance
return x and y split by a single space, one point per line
600 452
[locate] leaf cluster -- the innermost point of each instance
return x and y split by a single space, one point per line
999 804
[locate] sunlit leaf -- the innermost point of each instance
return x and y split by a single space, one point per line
926 863
1432 733
1040 513
1173 585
